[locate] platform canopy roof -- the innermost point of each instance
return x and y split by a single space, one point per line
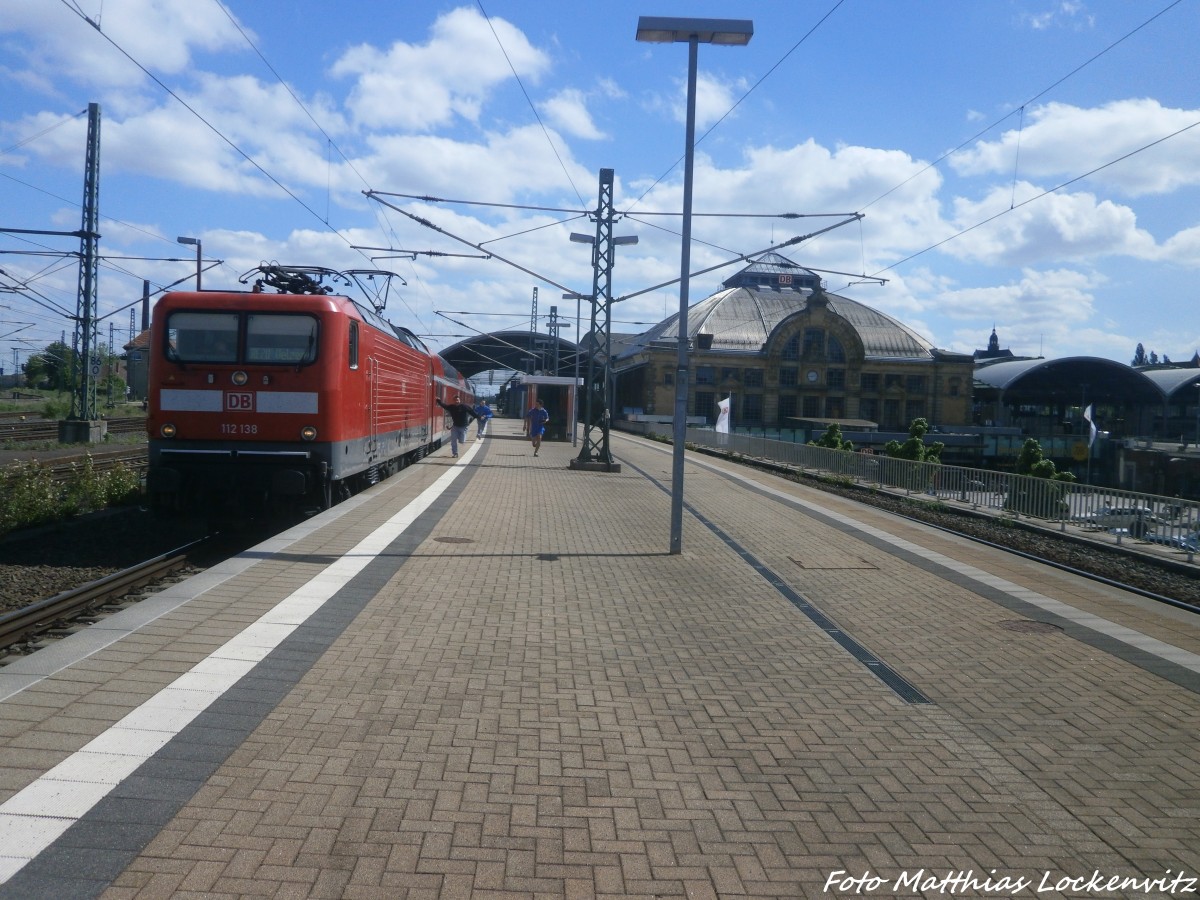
1074 379
1176 384
519 351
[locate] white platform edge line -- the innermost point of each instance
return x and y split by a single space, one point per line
13 814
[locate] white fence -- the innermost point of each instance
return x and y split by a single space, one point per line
1167 523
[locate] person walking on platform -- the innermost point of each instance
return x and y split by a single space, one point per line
483 412
460 417
535 424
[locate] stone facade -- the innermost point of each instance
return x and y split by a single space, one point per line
792 355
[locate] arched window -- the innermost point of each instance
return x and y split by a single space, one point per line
834 350
791 350
814 343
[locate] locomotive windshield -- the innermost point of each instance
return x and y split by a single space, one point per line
200 337
281 338
213 337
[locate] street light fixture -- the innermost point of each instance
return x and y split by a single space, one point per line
693 32
575 388
189 241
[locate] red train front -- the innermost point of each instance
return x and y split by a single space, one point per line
284 403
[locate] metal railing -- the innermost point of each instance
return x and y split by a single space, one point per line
1169 525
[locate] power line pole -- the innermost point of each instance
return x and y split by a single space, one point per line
85 341
597 387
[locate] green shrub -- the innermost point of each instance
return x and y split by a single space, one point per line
56 407
30 496
832 438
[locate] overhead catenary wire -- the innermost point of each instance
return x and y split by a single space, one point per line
854 217
529 100
330 142
211 127
74 7
1028 102
746 94
1039 196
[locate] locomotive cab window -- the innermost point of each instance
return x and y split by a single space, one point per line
354 345
281 338
202 337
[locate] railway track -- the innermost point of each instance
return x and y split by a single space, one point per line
136 458
18 432
64 609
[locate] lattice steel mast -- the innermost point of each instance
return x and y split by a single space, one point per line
597 385
85 342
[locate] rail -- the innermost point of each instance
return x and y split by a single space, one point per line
17 432
1167 526
43 615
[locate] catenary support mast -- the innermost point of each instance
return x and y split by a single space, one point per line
597 387
85 342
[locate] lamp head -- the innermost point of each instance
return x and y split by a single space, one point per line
669 30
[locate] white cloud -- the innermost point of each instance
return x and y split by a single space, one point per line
714 98
1064 14
421 86
810 179
501 168
567 110
1041 312
1183 248
1059 142
1064 294
162 35
1055 227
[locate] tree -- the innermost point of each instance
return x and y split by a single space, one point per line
1032 461
1139 356
833 439
1047 502
915 447
52 367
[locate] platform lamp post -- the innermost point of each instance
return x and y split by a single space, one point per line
575 388
190 241
693 32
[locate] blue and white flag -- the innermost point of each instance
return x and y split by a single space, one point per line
1087 417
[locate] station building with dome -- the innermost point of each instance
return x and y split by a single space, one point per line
792 355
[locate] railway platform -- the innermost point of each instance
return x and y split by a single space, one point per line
487 677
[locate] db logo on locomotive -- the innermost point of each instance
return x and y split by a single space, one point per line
239 401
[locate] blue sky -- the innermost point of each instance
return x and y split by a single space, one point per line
1028 164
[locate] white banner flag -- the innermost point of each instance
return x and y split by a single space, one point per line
723 416
1087 417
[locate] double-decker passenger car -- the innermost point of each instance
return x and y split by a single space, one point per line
287 402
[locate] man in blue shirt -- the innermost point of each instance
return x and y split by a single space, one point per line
483 412
535 424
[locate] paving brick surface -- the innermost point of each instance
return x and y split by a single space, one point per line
542 702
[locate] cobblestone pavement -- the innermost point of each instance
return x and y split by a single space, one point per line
525 695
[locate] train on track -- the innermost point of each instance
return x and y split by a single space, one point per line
286 398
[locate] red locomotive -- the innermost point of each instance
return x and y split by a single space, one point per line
283 403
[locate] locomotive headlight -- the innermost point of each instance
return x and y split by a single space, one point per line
167 430
240 378
308 433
